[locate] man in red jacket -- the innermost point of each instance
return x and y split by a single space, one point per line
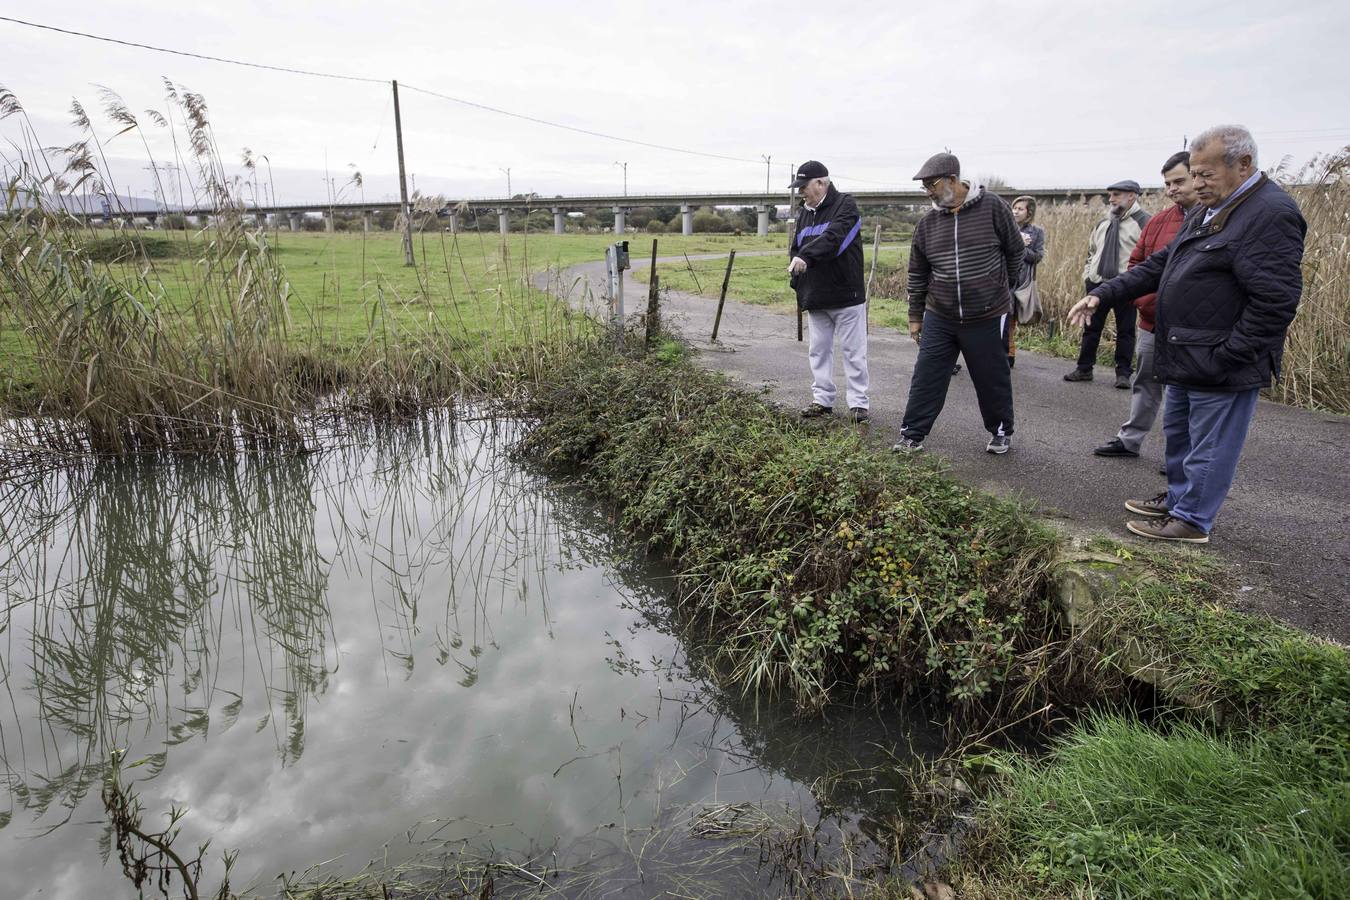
1145 393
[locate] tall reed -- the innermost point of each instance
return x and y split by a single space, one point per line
130 352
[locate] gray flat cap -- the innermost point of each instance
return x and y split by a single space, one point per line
1129 184
939 165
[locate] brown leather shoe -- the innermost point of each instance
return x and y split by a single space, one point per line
1154 506
1168 529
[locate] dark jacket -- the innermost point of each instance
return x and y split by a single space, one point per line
827 239
1227 292
964 265
1033 254
1157 234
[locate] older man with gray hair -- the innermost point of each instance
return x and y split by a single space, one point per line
1228 286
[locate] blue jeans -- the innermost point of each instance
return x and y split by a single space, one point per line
1205 431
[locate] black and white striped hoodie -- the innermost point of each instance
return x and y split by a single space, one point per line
964 263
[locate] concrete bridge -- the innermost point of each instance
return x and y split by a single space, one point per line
687 202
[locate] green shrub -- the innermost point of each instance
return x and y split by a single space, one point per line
820 562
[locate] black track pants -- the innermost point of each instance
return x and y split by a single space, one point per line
981 345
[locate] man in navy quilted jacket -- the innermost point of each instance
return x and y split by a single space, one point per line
1228 286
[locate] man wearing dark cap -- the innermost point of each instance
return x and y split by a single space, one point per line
826 269
1108 255
965 258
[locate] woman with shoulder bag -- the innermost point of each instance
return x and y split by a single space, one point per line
1026 296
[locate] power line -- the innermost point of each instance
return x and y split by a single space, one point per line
574 128
219 59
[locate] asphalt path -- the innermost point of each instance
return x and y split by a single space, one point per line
1284 531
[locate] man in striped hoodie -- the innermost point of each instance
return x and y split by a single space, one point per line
964 260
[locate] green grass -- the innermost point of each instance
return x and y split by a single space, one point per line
1242 791
1121 810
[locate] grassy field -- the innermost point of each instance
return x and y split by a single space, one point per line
345 290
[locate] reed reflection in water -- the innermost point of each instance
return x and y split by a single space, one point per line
406 635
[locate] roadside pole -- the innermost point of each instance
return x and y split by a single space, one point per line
403 183
722 300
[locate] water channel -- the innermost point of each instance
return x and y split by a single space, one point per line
409 649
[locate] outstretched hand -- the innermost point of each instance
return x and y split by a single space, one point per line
1081 313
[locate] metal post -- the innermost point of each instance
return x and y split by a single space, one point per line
403 183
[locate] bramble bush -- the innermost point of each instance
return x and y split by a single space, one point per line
818 561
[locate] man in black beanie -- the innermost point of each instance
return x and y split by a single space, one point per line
964 260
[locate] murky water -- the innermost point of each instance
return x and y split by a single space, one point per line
405 649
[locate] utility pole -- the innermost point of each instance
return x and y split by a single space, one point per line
507 171
767 159
403 184
625 176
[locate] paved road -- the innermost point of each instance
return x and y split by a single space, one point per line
1285 529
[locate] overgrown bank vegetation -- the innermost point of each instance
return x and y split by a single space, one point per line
821 565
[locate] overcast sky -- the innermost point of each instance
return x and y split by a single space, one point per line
1041 92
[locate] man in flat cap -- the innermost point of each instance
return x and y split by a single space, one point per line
1109 251
826 268
965 258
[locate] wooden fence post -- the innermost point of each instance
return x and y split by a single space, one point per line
721 301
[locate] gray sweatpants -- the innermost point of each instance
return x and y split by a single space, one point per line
1146 396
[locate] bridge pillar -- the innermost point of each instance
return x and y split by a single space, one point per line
292 221
328 224
620 216
559 220
365 220
762 226
454 223
504 221
686 220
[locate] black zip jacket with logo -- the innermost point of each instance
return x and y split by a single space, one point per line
964 264
1227 291
827 239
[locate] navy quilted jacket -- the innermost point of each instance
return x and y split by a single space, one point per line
1227 292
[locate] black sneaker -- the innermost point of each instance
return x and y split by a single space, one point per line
859 415
956 369
1114 447
907 445
1123 382
1079 375
1000 444
815 411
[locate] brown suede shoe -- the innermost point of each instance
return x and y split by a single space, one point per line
1154 506
1168 529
